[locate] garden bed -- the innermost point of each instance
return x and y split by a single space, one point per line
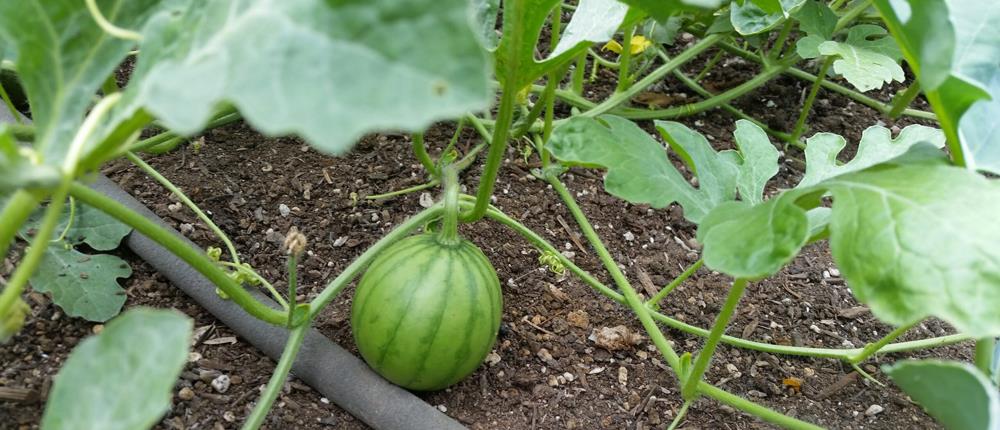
547 372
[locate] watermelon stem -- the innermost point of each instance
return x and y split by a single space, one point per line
449 224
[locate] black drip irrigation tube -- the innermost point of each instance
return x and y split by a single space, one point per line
321 363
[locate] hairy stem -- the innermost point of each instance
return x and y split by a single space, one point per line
18 208
579 69
625 60
333 288
420 151
662 294
179 247
33 256
449 225
708 66
153 173
689 391
653 77
874 347
498 145
800 124
277 381
903 100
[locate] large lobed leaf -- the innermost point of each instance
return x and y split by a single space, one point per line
84 286
868 58
876 146
639 170
121 378
62 58
749 18
956 394
328 71
953 47
914 237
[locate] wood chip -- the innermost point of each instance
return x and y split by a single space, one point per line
647 282
748 330
572 236
221 340
840 384
853 313
19 395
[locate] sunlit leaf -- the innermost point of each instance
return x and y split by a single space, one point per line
816 19
956 394
122 378
748 18
759 161
593 21
867 59
980 131
876 146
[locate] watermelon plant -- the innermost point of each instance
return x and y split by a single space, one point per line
908 218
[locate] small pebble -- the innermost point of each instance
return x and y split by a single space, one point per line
284 210
185 394
97 328
629 236
229 416
623 376
442 408
194 356
492 359
221 384
544 354
874 410
834 272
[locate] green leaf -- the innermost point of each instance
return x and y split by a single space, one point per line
866 60
759 161
593 21
485 12
663 32
980 132
329 71
876 146
86 225
123 377
956 394
62 57
753 242
663 9
638 168
748 18
816 19
808 47
769 6
84 286
952 47
919 240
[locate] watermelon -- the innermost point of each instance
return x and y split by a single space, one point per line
426 312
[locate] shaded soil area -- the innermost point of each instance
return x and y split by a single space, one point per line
547 372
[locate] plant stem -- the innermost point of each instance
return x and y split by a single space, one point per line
949 126
277 380
256 276
903 100
579 69
144 144
625 60
33 256
498 145
680 415
449 224
18 208
454 137
779 43
708 66
689 391
800 124
433 183
643 313
673 284
653 77
354 269
153 173
181 248
758 81
629 294
10 105
752 408
420 151
874 347
293 284
603 61
587 278
839 89
984 355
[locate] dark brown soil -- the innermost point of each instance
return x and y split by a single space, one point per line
242 179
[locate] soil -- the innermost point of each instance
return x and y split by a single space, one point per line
550 374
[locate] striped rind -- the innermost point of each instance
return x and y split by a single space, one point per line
425 314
